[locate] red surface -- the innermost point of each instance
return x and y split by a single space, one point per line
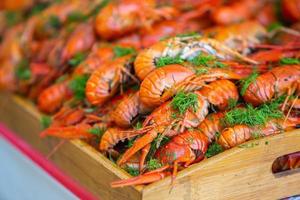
46 165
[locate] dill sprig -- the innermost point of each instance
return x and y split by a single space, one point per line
153 164
247 81
183 101
154 145
274 26
76 16
54 22
254 116
289 61
232 103
77 85
23 71
188 34
97 131
167 60
12 18
123 51
213 150
202 60
201 71
132 171
45 121
77 59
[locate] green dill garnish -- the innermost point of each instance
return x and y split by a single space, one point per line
23 71
77 85
190 34
202 60
61 78
254 116
76 16
45 121
266 142
217 135
54 22
77 59
132 171
183 101
98 7
213 150
167 60
153 164
201 71
289 61
247 81
12 18
38 8
274 26
123 51
158 141
130 142
232 103
218 64
138 125
97 131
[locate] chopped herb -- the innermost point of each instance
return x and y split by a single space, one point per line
153 164
12 18
98 7
232 103
132 171
289 61
77 59
191 34
123 51
202 60
218 64
254 116
97 131
274 26
45 121
77 85
158 141
54 22
266 142
61 78
201 71
138 125
167 60
213 150
183 101
130 143
23 71
217 135
39 8
247 81
76 16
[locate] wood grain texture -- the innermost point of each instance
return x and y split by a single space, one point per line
238 173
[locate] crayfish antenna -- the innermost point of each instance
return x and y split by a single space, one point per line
138 145
55 148
139 180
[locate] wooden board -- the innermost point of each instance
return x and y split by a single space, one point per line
239 173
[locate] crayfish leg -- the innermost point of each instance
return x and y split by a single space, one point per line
138 145
145 152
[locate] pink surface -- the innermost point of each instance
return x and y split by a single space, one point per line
46 165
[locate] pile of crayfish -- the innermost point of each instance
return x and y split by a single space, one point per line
156 86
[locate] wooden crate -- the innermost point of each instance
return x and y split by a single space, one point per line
239 173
